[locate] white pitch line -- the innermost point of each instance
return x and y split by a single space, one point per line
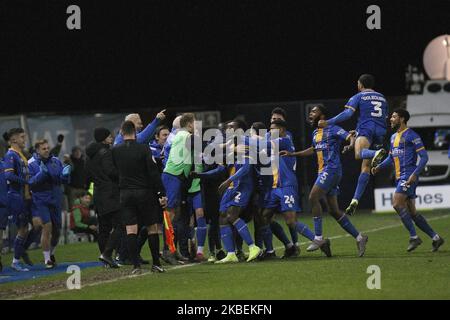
196 264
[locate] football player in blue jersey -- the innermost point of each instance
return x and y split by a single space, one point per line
326 144
371 130
283 194
19 198
3 206
237 191
279 113
47 198
406 145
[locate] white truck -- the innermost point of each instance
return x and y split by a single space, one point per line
430 118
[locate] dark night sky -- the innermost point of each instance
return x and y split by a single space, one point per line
144 54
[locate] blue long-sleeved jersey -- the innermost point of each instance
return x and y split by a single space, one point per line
3 186
47 190
372 107
141 137
405 146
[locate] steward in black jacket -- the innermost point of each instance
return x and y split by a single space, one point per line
101 171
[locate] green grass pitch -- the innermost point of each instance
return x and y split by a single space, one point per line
417 275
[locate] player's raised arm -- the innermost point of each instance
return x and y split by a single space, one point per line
304 153
145 135
386 163
208 174
351 138
341 117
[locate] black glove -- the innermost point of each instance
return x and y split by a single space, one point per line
60 138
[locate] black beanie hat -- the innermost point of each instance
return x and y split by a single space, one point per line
100 134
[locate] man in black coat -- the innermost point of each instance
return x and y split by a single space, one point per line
101 171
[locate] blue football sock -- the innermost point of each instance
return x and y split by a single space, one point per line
294 234
201 231
345 223
423 225
318 226
18 247
304 230
226 234
407 222
367 154
267 236
242 228
363 180
278 231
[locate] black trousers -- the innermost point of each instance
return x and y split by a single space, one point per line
109 231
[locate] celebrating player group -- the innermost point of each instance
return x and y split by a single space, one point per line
198 194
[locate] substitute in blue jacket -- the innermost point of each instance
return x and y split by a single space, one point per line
3 204
142 136
19 198
47 198
406 145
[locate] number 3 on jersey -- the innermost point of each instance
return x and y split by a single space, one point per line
377 108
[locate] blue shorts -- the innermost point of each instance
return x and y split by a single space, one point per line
47 213
283 198
328 180
174 190
409 191
236 197
194 201
373 132
20 209
3 218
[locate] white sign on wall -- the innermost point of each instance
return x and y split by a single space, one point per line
428 197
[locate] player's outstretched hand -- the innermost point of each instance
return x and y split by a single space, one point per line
375 170
224 185
285 153
60 138
322 123
194 175
347 148
163 202
411 180
161 115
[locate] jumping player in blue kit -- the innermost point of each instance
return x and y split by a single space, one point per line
283 195
326 145
371 130
47 198
406 145
19 198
